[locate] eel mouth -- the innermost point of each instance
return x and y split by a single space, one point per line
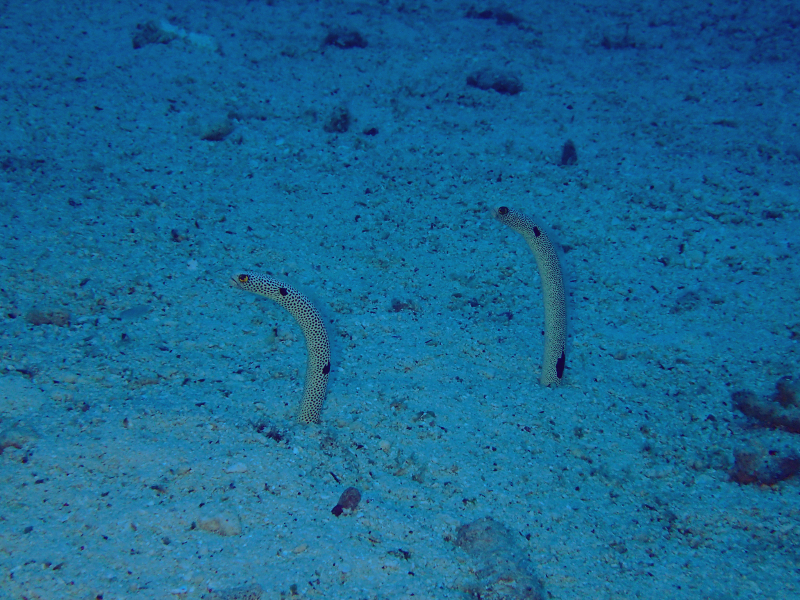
499 211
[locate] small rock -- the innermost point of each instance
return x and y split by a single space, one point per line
223 523
151 33
769 412
569 154
753 465
56 317
347 501
16 436
787 391
345 39
686 302
504 571
501 83
338 121
218 131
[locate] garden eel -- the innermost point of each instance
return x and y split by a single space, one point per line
310 321
555 303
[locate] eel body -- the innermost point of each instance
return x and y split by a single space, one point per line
310 321
555 303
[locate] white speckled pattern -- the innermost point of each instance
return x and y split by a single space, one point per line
555 304
310 321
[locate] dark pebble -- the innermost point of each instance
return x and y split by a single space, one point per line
786 391
339 121
768 412
150 33
754 466
56 317
348 500
569 154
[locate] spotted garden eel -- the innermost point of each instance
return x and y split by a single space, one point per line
555 303
310 321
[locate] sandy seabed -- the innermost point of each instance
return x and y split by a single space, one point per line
147 409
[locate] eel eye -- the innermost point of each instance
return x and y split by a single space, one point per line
244 278
503 210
